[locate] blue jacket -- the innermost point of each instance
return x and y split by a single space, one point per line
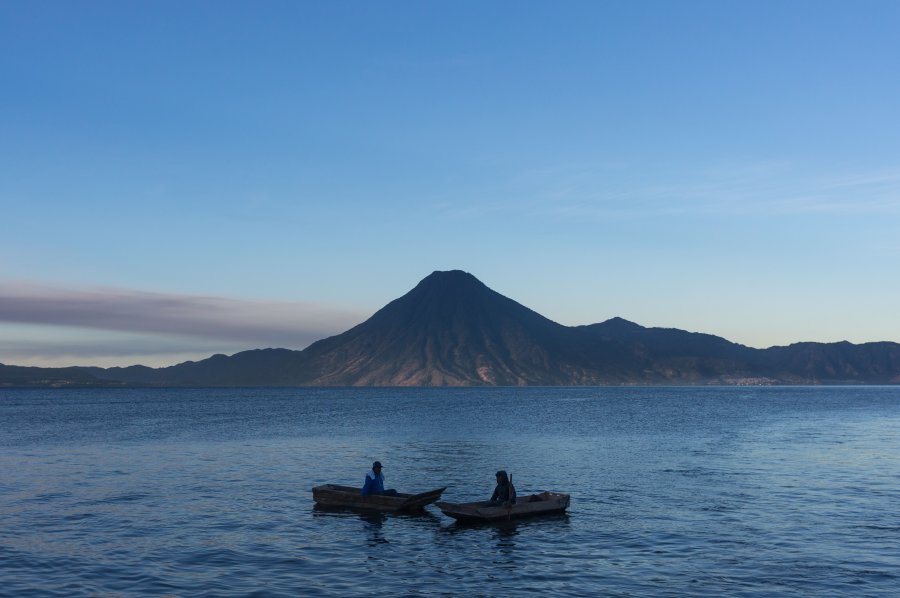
374 484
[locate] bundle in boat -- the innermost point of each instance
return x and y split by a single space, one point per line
544 503
334 495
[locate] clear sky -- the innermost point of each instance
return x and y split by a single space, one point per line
179 179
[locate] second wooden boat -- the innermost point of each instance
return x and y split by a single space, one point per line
334 495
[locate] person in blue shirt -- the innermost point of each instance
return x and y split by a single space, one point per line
375 482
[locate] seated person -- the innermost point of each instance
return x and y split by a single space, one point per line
375 482
505 493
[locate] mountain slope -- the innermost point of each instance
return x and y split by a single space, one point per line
449 330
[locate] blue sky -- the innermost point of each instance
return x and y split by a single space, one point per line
182 179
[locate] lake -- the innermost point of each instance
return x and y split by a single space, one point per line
675 491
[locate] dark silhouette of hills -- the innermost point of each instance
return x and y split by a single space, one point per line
452 330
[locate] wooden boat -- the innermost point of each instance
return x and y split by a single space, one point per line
544 503
333 495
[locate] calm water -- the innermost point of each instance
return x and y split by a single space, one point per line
686 491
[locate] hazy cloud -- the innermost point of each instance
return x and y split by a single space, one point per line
253 323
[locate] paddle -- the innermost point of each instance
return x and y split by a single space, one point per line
510 497
422 495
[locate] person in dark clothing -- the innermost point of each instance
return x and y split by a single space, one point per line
505 493
375 482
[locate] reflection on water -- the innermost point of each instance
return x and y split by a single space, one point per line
705 491
373 524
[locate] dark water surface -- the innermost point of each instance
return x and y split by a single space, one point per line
675 491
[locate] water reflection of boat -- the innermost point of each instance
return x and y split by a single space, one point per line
544 503
333 495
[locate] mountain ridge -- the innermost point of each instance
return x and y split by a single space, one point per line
453 330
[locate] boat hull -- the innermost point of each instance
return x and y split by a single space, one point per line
334 495
545 503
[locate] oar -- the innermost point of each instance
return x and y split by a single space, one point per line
509 497
422 495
